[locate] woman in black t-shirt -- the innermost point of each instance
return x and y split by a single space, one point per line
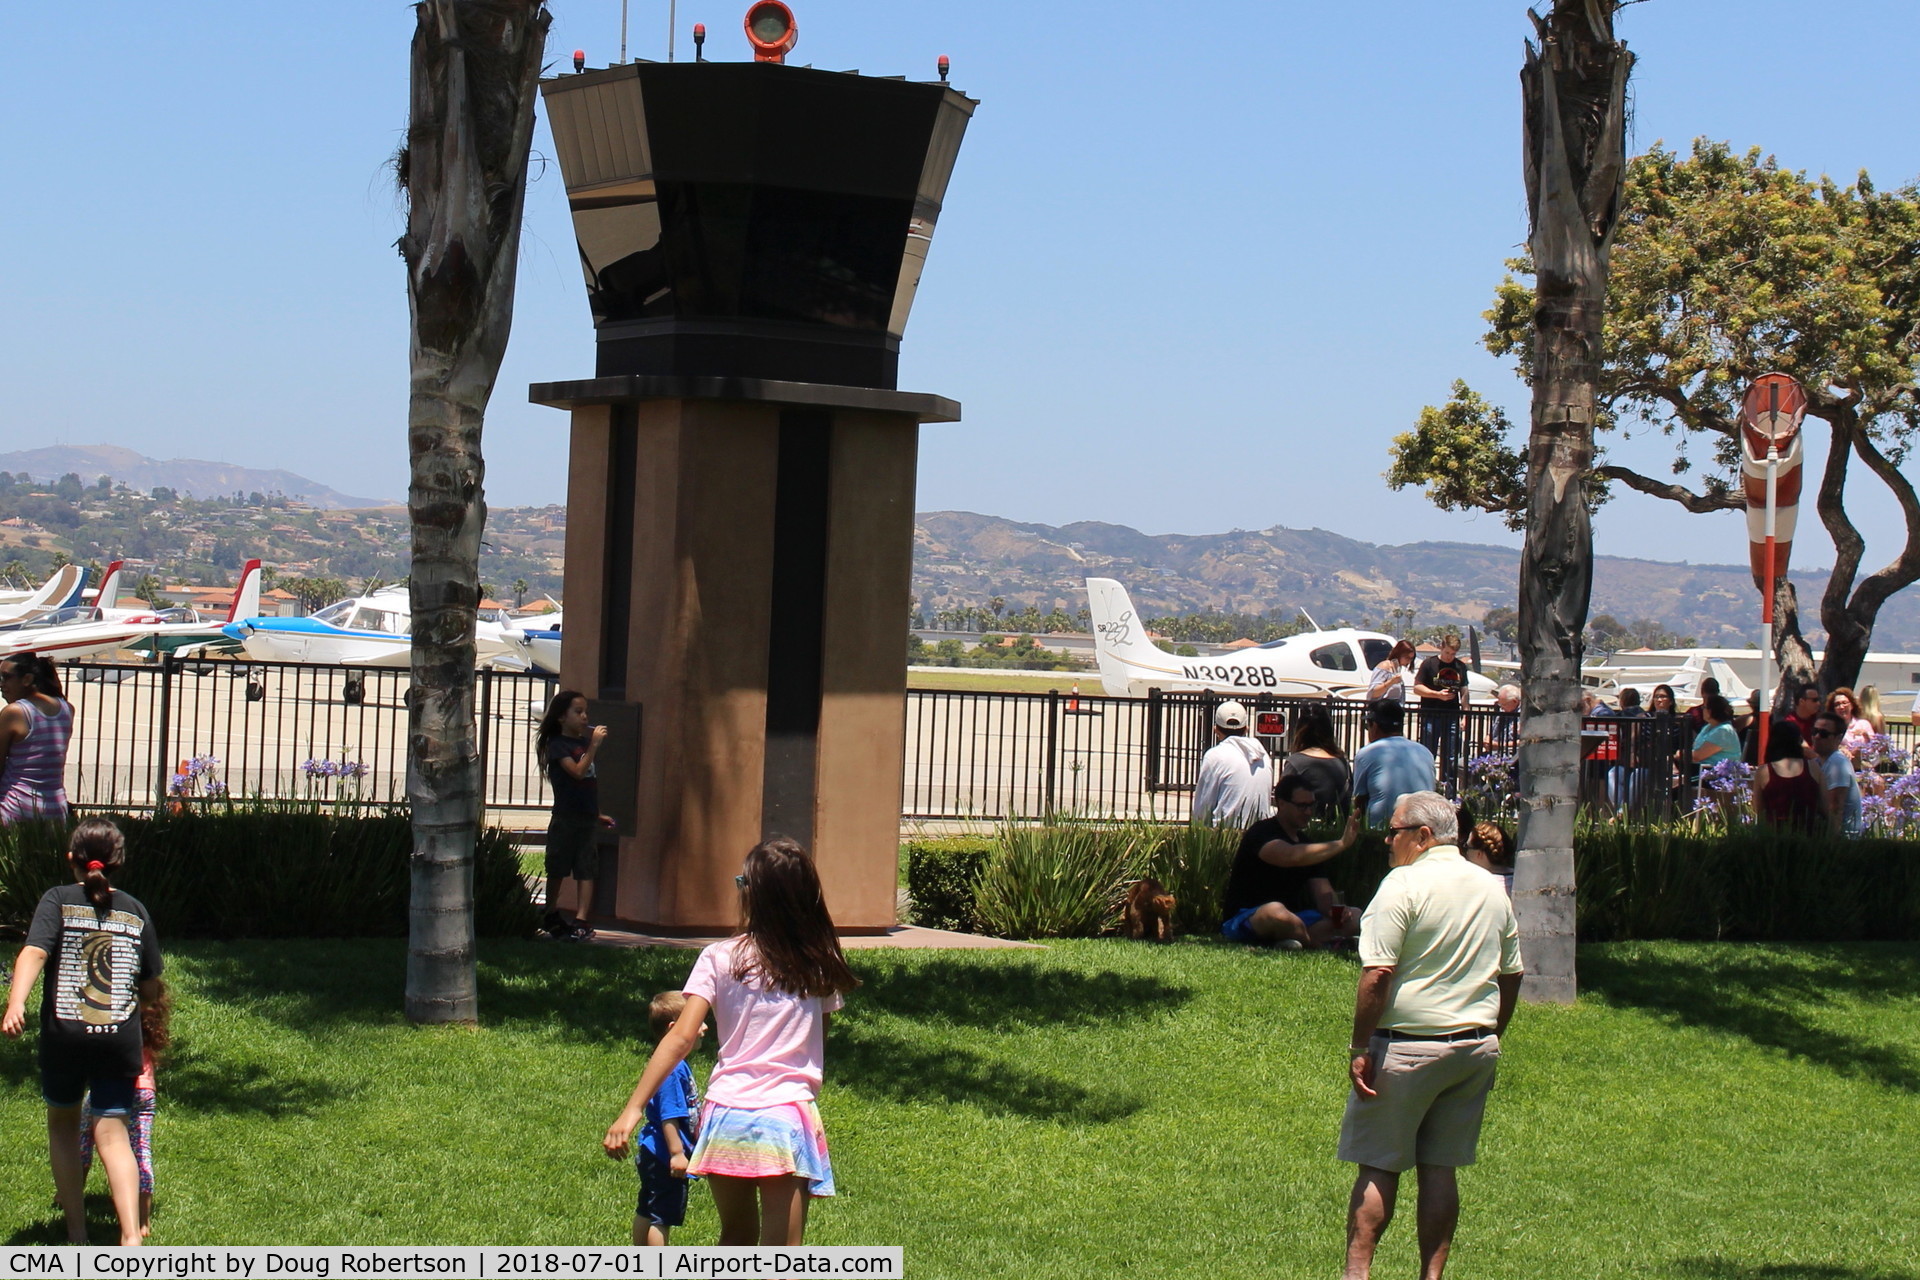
1317 760
101 958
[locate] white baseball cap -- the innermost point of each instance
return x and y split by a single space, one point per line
1229 715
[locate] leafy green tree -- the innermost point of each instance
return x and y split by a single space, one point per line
1726 266
520 589
148 588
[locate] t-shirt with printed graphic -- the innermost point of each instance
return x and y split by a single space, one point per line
572 795
96 961
677 1099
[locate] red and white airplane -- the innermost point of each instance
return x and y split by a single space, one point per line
98 628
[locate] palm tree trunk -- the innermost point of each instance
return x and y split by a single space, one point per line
475 72
1574 84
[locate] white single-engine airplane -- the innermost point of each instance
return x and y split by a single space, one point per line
1338 662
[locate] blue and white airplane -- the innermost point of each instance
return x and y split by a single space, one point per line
367 631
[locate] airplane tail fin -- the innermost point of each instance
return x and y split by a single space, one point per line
1732 687
109 593
75 581
246 596
1119 636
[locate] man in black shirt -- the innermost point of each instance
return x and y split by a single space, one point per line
1441 683
1271 899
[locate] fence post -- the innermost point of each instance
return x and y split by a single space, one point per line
485 712
1053 751
1156 708
163 733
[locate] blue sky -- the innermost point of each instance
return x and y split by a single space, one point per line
1198 263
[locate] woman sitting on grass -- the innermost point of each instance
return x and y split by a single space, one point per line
771 988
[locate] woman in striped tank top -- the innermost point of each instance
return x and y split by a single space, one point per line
35 726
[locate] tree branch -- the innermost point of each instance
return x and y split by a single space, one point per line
1904 570
1683 407
1848 545
1694 502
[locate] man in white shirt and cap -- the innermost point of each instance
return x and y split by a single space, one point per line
1235 786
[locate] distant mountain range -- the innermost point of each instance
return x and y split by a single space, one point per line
183 475
966 559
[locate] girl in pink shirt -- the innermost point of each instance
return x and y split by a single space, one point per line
771 988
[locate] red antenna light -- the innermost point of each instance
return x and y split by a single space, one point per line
943 68
579 61
699 41
771 30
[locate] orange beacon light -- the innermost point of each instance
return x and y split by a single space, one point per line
771 31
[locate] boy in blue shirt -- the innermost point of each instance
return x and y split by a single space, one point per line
667 1138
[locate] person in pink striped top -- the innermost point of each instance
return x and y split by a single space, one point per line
35 726
771 987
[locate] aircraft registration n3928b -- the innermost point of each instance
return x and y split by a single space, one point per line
1339 662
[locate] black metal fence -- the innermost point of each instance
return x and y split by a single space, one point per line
279 731
276 727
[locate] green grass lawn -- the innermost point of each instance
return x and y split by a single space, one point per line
1096 1109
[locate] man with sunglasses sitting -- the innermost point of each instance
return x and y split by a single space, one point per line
1272 899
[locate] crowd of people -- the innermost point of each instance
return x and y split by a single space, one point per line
1437 947
1638 756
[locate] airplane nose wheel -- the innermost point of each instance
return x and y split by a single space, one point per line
256 685
353 691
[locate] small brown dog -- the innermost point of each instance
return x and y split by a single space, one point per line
1149 911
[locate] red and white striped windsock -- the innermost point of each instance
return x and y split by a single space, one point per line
1770 415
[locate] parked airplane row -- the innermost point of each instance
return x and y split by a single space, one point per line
57 622
63 620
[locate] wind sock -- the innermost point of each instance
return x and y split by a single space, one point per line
1770 416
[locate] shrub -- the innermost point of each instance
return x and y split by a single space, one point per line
266 870
1753 883
1193 862
942 878
1060 879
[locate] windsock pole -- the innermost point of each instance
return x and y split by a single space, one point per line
1766 598
1771 456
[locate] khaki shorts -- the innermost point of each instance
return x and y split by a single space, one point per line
1429 1098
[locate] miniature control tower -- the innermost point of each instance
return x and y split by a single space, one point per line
741 477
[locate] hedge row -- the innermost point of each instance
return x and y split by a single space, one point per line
1069 879
267 871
